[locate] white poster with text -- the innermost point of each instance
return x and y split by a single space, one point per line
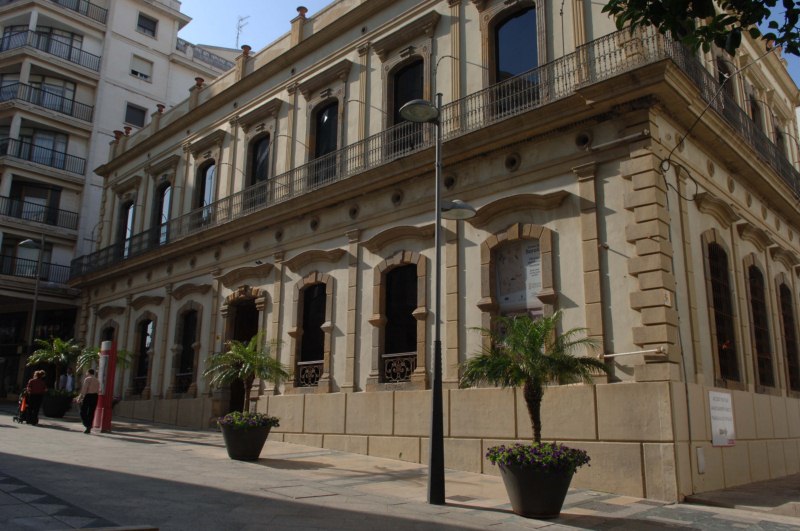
720 406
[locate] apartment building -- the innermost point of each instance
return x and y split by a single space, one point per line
647 191
73 75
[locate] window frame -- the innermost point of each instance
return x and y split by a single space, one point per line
760 329
133 107
144 29
134 70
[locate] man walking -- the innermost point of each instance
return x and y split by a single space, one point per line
88 400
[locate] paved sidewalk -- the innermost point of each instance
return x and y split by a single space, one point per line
55 477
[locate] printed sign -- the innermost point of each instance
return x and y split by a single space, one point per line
721 407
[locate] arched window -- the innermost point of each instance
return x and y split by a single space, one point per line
724 319
125 230
401 301
724 74
408 83
144 346
757 114
161 212
760 319
326 129
184 375
789 336
205 183
518 277
259 160
515 47
312 341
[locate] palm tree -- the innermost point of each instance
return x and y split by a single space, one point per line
530 353
58 352
245 362
90 357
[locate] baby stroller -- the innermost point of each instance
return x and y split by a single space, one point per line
22 408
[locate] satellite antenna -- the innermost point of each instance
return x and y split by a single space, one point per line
240 24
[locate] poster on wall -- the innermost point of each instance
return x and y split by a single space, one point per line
519 276
720 406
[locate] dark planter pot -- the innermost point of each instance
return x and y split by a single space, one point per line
244 444
534 493
56 406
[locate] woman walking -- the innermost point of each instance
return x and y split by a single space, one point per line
36 389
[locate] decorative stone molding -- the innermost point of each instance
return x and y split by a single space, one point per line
787 258
394 234
140 302
754 235
207 142
168 165
186 289
107 311
424 25
243 292
236 276
718 209
127 184
314 256
517 203
339 71
260 114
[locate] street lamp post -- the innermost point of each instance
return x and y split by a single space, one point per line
31 244
422 111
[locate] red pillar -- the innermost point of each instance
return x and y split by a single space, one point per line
105 373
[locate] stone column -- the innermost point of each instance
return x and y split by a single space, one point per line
453 287
277 302
160 386
350 382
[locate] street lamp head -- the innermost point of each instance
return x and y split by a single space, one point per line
457 209
419 111
28 244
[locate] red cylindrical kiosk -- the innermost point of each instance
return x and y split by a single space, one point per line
105 373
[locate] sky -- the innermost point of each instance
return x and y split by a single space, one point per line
269 19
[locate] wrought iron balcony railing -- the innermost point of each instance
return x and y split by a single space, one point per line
25 268
599 60
46 100
28 211
308 373
18 149
396 368
93 11
52 45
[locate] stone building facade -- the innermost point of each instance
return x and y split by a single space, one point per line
644 190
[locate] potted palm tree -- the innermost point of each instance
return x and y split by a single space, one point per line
60 354
245 432
530 353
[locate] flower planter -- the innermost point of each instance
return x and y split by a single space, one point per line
56 406
535 493
244 444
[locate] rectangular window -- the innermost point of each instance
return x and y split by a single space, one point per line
146 25
135 115
141 68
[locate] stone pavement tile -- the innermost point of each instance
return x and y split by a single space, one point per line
40 523
622 500
6 499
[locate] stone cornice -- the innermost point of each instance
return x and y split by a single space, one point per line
425 24
207 142
140 302
754 235
186 289
107 311
326 77
405 232
308 257
166 165
787 258
232 279
717 208
516 203
261 112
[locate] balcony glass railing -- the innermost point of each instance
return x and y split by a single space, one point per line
594 62
25 210
51 44
25 268
46 100
41 155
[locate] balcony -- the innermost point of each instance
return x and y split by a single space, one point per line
93 11
46 100
45 42
599 60
27 211
55 159
25 268
204 56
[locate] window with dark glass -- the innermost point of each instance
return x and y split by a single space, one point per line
724 74
161 212
185 374
312 346
142 362
789 336
723 312
515 46
758 309
756 114
259 160
408 83
780 141
401 301
205 184
34 202
326 127
125 228
147 25
135 115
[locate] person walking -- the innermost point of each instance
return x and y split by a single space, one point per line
36 389
67 380
88 400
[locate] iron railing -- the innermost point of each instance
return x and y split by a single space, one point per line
51 44
28 211
47 100
594 62
93 11
183 381
308 373
18 149
26 268
396 368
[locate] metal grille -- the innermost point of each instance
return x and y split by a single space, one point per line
308 373
723 312
758 307
789 337
183 380
398 367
